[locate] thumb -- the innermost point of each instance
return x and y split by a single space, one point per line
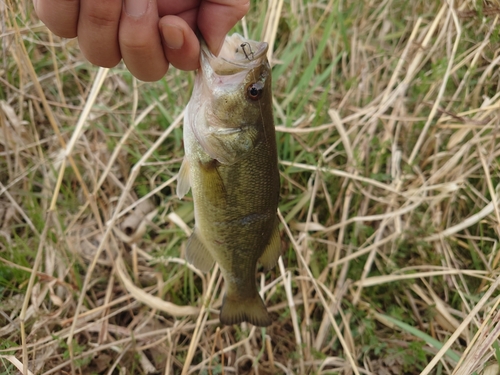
217 17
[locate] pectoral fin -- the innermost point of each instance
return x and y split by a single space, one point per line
273 250
229 145
197 253
183 183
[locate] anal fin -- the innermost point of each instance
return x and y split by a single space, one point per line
197 253
183 183
272 251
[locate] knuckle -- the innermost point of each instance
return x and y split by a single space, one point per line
135 45
102 19
139 41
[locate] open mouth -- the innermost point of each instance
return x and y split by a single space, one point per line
237 54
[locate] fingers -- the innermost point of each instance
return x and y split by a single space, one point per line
217 17
213 18
97 31
106 33
140 42
95 22
180 44
61 17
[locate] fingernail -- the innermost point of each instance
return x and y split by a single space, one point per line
219 47
173 36
136 8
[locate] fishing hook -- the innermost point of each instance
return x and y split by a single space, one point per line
246 44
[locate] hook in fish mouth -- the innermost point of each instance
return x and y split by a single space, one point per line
237 54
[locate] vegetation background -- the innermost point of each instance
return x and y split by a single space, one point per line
387 116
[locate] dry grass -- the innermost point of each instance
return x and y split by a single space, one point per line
387 116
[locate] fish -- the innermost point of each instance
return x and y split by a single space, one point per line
231 166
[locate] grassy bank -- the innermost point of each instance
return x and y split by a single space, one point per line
387 120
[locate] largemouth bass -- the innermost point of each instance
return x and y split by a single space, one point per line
231 166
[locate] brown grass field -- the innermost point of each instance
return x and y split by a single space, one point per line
387 116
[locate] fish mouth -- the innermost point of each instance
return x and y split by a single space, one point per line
238 54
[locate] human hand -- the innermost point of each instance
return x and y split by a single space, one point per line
146 34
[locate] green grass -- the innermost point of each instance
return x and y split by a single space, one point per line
374 288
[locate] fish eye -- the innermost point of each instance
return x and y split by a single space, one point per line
255 90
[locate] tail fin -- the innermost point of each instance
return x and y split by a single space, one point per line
251 310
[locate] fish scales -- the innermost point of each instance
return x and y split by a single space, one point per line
231 166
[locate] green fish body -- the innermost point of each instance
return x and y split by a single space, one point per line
231 166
